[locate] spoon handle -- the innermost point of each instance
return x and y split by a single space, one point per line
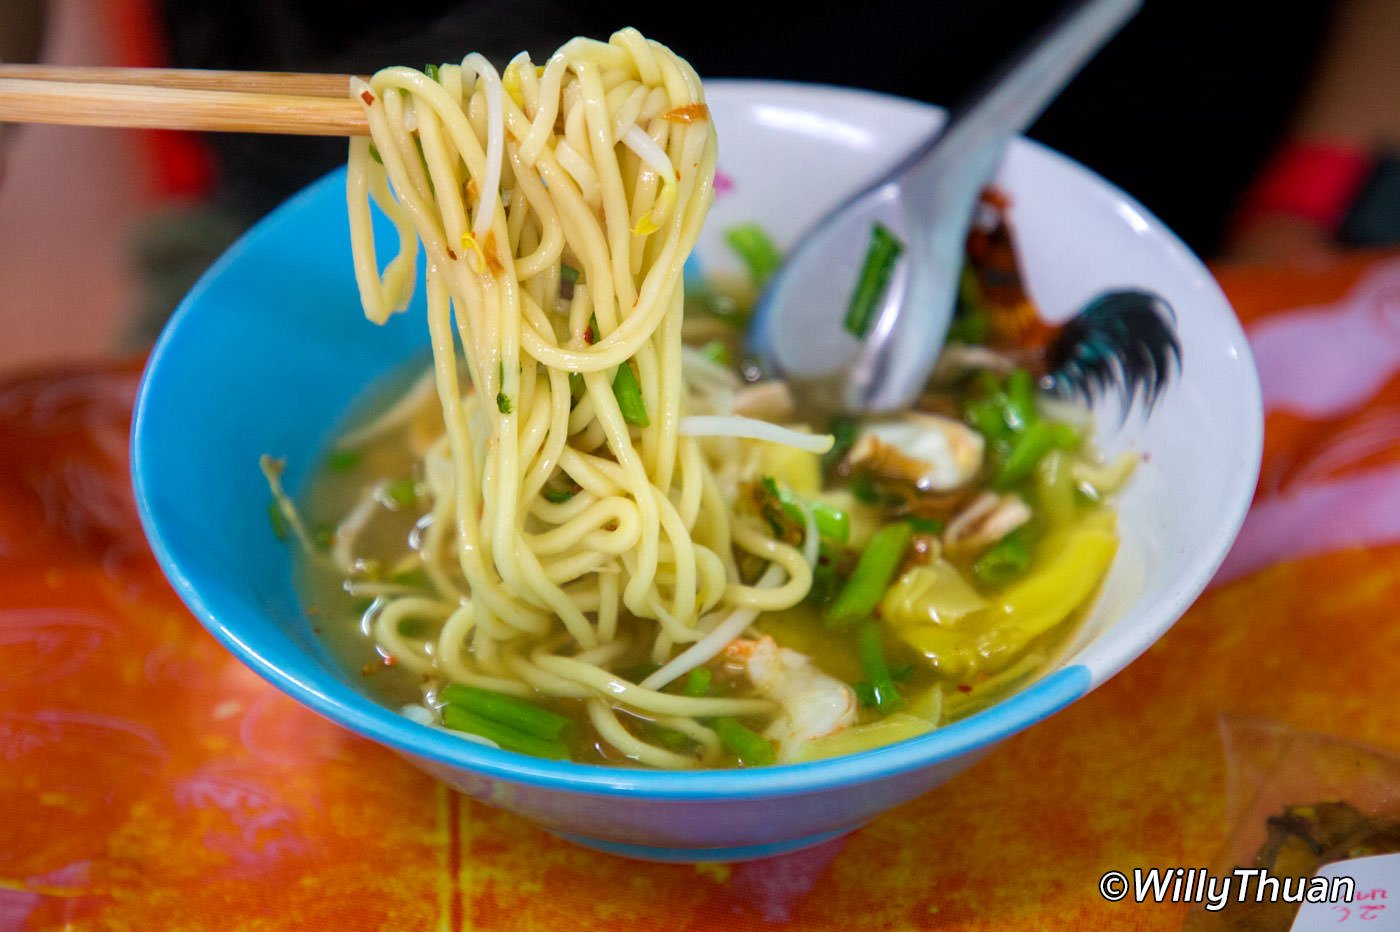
1021 88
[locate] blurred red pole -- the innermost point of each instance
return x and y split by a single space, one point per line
182 167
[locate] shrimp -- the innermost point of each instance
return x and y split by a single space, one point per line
812 703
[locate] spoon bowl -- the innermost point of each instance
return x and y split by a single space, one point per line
803 329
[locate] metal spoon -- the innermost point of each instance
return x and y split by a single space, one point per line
927 200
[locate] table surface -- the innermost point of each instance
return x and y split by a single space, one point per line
149 780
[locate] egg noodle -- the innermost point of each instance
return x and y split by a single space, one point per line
556 206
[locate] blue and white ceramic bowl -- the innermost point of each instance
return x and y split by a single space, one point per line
270 347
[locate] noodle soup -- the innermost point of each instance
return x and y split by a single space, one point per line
971 610
583 534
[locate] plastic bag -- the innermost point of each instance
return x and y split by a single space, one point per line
1297 801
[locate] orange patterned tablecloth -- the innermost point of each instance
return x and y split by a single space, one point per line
149 781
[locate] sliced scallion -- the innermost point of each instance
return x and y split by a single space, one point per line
844 430
875 272
515 713
343 460
698 682
414 579
558 496
402 492
1004 561
870 648
757 250
749 746
832 523
717 351
411 627
505 737
629 397
872 576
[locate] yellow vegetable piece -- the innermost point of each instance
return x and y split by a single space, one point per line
896 727
927 705
510 83
933 594
1073 563
469 243
1070 563
797 469
959 703
650 223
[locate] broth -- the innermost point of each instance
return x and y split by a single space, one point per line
346 608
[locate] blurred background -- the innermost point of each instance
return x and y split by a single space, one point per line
1256 130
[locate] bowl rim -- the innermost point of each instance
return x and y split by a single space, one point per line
338 701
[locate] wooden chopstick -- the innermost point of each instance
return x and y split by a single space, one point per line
168 98
296 83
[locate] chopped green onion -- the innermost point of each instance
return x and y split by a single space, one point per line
505 737
629 397
431 71
277 520
988 417
864 490
557 496
757 249
567 273
870 648
926 525
670 737
752 749
343 460
824 581
411 627
698 683
414 579
880 259
523 716
872 576
843 431
1020 399
374 153
716 351
323 537
503 404
1004 561
832 523
1027 450
402 492
576 385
